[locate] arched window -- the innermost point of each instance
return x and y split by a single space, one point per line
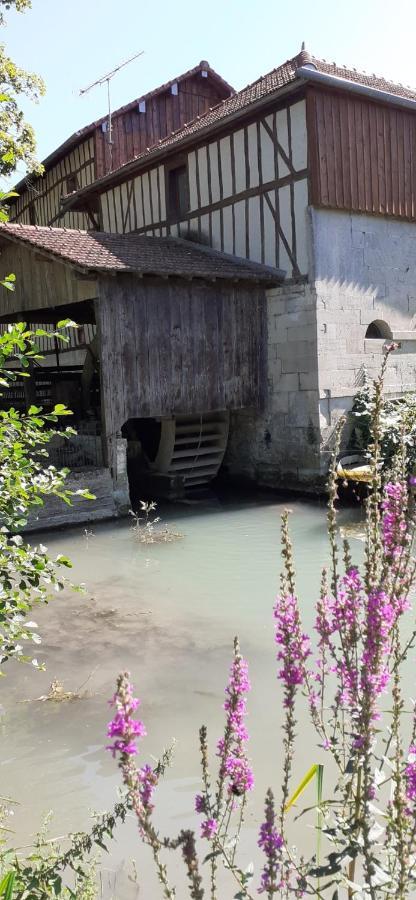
379 330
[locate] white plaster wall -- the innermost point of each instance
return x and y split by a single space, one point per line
365 270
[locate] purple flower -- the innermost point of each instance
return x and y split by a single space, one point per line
240 774
200 804
147 779
410 774
127 730
123 726
234 765
394 524
293 643
209 828
271 842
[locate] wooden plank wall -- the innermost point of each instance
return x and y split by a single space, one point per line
248 193
362 154
178 347
40 283
45 192
165 112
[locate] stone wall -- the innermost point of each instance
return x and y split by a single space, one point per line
279 446
361 270
364 271
111 492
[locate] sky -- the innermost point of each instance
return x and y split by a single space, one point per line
71 43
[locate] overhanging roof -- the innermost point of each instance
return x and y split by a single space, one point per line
106 253
85 132
286 77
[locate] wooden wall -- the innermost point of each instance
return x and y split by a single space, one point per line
178 347
45 192
248 193
362 154
134 131
40 282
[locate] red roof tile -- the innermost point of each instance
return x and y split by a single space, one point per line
266 85
164 256
87 130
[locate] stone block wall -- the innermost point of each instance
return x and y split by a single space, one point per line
279 446
364 270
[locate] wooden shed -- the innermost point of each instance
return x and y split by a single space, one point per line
176 330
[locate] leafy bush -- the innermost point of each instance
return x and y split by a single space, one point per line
397 426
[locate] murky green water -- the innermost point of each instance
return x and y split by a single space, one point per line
167 613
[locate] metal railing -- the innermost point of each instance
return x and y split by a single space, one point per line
80 451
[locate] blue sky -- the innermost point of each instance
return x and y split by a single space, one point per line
72 42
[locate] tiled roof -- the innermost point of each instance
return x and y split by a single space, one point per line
144 255
84 132
284 75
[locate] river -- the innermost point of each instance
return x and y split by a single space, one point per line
168 614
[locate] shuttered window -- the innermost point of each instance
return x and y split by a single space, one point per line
178 191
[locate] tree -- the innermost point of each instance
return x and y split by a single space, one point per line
26 573
17 138
18 5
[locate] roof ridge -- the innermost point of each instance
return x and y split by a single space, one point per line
247 87
287 69
201 116
203 65
349 68
200 67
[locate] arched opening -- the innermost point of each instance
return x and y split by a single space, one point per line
143 440
168 456
379 330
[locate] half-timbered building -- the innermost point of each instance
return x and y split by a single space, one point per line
88 154
309 171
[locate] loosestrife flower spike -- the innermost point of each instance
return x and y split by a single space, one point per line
209 828
127 730
410 776
294 645
123 727
234 766
271 842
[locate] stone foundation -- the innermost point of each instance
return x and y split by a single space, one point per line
279 446
111 497
364 271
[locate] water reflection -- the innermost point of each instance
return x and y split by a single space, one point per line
167 613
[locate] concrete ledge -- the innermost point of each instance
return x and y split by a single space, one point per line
55 513
404 335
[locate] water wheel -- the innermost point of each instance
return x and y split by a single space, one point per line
192 447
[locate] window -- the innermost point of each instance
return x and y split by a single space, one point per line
178 191
379 330
32 213
71 184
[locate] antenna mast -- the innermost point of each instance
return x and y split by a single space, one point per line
105 79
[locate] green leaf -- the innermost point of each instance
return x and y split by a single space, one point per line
312 773
6 886
67 323
61 410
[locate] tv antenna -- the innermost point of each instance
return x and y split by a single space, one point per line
106 79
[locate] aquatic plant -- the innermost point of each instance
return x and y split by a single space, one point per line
148 530
349 675
65 868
